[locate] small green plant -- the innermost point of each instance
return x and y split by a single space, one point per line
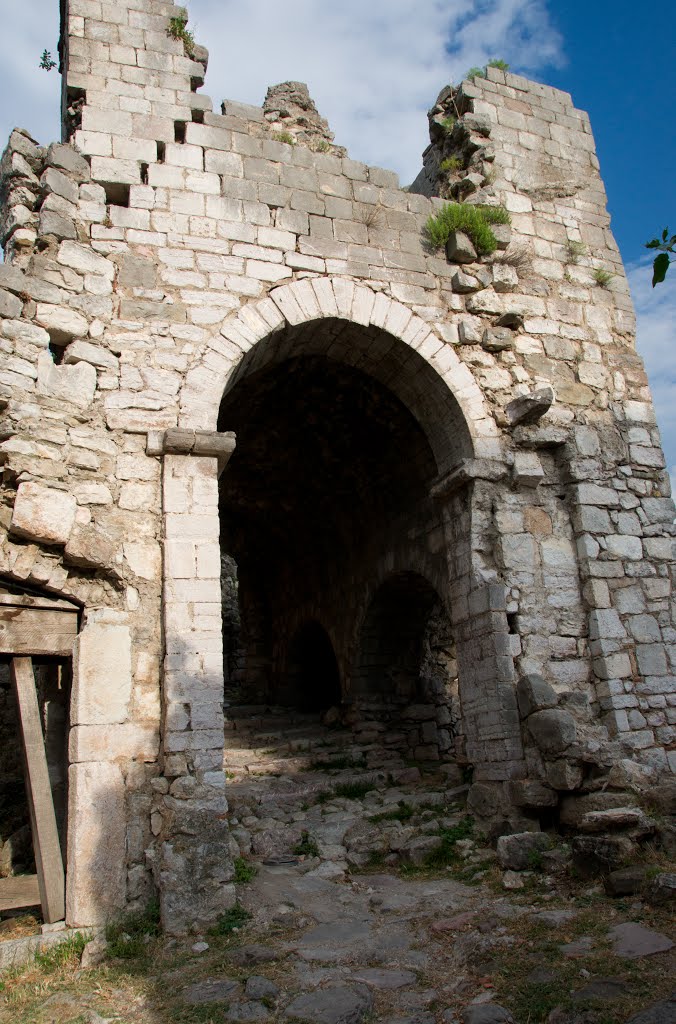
62 954
178 29
323 146
501 65
128 937
285 137
448 123
602 277
575 251
244 871
46 61
231 920
447 854
475 221
475 72
307 846
662 262
535 860
450 165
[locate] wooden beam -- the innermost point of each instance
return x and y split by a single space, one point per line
37 631
35 601
48 859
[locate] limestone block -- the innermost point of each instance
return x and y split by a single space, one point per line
113 742
43 514
62 323
517 851
564 775
85 352
534 693
101 675
527 470
464 283
144 559
505 278
11 306
553 730
532 794
529 408
497 339
89 548
459 248
74 384
96 844
68 159
468 333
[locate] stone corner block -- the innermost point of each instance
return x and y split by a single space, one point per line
102 679
43 514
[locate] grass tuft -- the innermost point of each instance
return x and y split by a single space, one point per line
475 221
450 165
178 29
63 954
307 846
231 920
285 137
602 277
575 251
128 937
244 871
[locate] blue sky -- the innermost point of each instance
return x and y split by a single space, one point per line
374 68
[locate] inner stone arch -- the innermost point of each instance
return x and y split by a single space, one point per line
406 674
341 433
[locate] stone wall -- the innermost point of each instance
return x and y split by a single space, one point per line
162 256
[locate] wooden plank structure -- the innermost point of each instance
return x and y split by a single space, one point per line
37 626
19 891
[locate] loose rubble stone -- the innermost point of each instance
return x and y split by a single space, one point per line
459 248
385 979
553 730
632 940
661 888
517 852
213 990
625 881
338 1004
43 514
594 855
489 1013
258 987
535 694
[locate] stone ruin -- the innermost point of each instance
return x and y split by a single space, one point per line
266 449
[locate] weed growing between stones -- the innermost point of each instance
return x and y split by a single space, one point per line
178 29
575 251
602 277
402 812
337 764
347 790
450 164
517 256
244 871
129 936
231 920
285 137
307 846
475 221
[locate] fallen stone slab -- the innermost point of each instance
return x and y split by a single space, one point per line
625 881
338 1004
662 1012
518 852
249 1011
259 987
246 956
385 979
661 888
614 818
605 989
487 1013
631 941
213 990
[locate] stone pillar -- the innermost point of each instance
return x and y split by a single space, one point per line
102 739
478 605
194 861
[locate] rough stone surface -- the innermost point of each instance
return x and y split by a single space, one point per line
339 1004
517 852
632 941
43 514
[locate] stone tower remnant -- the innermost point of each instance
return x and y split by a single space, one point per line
216 344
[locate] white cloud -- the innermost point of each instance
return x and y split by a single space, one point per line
656 342
373 67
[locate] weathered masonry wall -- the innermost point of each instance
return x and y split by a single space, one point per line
162 257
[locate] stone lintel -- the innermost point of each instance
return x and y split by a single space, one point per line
464 473
203 443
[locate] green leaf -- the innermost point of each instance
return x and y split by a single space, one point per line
660 267
655 244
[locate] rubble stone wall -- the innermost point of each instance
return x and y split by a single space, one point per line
162 254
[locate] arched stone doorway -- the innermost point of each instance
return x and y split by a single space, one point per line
330 483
